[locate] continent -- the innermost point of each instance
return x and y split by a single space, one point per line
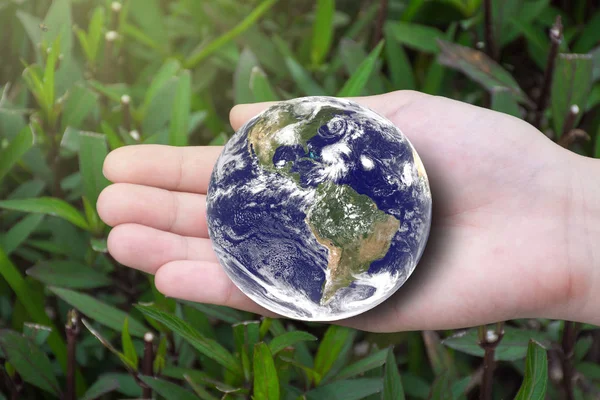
353 229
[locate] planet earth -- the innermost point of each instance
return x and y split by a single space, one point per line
318 208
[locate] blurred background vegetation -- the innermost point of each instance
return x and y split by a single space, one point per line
81 77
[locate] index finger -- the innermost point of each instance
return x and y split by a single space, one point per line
182 169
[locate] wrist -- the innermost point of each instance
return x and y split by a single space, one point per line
582 224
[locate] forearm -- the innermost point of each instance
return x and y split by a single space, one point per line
583 241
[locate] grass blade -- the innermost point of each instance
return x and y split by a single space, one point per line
392 383
331 347
418 37
400 69
289 339
180 119
127 344
92 152
102 313
503 101
68 274
266 381
322 30
12 239
261 87
536 374
16 149
221 41
351 389
366 364
47 205
167 389
208 347
359 79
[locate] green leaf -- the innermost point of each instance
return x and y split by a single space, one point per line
180 119
359 79
100 312
289 339
266 381
512 347
245 336
37 333
149 16
167 389
29 361
590 370
400 69
69 274
590 36
17 147
126 361
80 103
92 152
504 102
331 347
352 389
208 347
241 77
166 72
105 384
224 39
368 363
127 344
198 389
479 67
47 205
261 87
536 374
571 85
418 37
304 81
12 239
323 30
352 55
225 314
596 63
441 388
502 13
392 383
160 357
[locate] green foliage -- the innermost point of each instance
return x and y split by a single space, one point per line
80 78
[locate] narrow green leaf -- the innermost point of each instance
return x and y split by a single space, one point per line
331 347
368 363
49 82
225 314
590 370
95 34
245 336
479 67
512 347
166 72
266 381
127 344
17 147
299 74
37 333
352 55
92 152
323 30
536 374
167 389
29 361
503 101
590 36
100 312
105 384
69 274
392 383
571 85
224 39
199 389
180 119
241 77
261 87
359 79
31 24
289 339
351 389
441 388
12 239
149 16
400 69
596 63
47 205
126 361
418 37
161 356
80 103
208 347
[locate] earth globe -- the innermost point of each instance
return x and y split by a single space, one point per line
318 208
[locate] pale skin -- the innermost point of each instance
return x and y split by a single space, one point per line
515 234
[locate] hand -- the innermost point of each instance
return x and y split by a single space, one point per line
509 236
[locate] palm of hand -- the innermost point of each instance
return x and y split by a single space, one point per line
491 176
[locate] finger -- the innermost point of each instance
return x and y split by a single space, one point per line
146 249
385 104
184 169
203 282
177 212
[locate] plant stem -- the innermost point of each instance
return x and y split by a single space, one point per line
490 42
556 34
381 17
488 341
568 344
147 362
71 330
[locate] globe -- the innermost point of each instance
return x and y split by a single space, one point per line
318 208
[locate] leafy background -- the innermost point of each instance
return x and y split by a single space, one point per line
81 77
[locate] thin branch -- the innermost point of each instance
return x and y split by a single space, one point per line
72 331
569 339
556 36
147 362
488 341
381 17
490 41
